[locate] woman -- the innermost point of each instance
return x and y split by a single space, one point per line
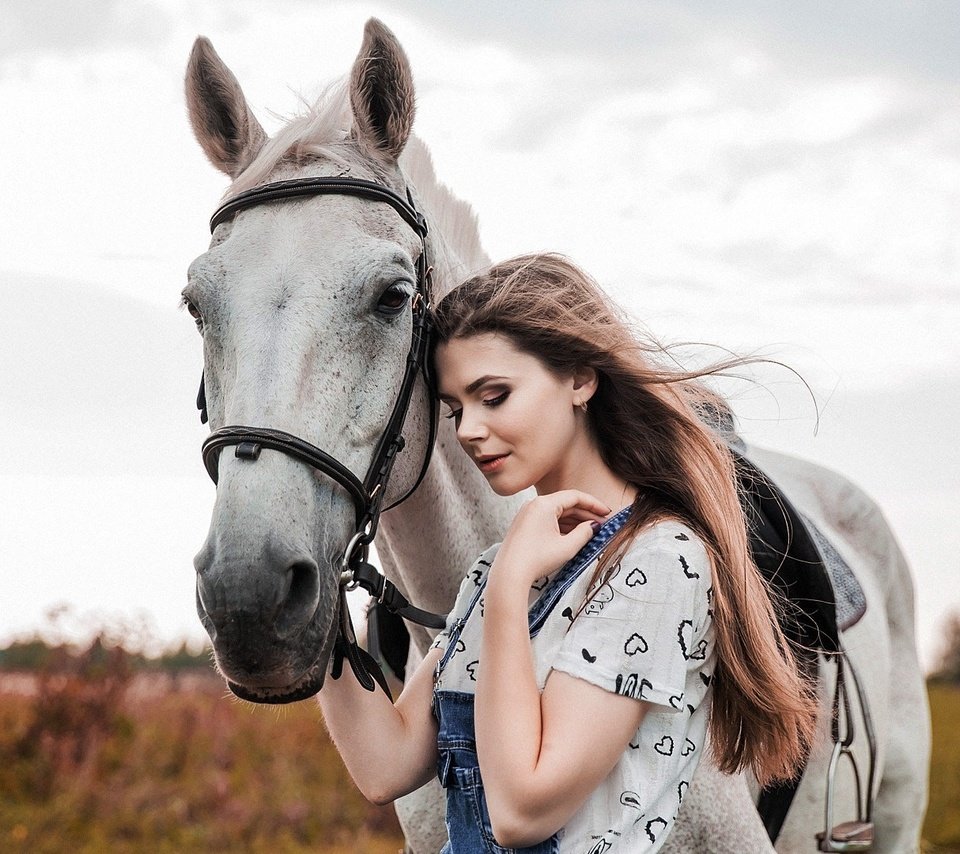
569 700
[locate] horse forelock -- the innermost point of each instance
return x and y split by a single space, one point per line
321 130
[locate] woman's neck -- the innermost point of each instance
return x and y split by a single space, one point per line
584 469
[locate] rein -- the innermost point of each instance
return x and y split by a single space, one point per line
367 494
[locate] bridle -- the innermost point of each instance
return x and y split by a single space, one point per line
367 495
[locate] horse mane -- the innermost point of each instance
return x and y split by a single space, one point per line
453 217
322 129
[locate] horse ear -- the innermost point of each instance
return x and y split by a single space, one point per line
381 92
223 123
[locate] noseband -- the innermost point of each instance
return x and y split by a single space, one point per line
367 494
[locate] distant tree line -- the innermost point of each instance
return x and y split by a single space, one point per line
948 666
36 655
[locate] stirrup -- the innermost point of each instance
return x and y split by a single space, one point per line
849 835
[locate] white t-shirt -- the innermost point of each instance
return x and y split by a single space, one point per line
645 633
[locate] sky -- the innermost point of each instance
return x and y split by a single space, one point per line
781 179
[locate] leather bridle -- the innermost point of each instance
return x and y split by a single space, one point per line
367 495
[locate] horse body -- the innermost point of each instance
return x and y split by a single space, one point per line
297 337
882 649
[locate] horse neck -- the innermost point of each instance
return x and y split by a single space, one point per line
427 543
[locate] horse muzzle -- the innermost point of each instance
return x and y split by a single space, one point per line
271 619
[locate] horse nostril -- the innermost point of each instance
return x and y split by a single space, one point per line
303 597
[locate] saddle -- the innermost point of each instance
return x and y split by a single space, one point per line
819 591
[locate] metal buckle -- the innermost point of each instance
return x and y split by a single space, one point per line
359 539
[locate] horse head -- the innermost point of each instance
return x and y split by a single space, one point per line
306 309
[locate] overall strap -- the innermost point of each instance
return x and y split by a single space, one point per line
573 569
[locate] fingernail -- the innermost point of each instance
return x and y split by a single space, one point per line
596 526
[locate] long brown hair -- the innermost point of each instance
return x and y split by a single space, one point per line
648 420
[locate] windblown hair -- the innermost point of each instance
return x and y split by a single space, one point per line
650 423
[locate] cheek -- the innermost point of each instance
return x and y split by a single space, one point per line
544 426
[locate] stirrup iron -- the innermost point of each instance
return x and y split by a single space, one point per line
849 835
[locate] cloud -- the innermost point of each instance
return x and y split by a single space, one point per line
893 35
896 36
37 27
702 160
91 376
818 274
889 440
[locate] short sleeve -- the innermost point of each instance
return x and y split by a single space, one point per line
468 587
640 633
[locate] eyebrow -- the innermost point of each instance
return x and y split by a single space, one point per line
477 383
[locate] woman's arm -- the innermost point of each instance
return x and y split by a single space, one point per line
389 749
540 755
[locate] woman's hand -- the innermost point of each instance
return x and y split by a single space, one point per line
546 533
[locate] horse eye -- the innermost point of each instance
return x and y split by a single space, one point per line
393 299
194 312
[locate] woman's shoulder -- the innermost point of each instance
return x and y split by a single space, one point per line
668 534
477 571
662 555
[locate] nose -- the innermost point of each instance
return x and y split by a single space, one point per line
472 426
277 588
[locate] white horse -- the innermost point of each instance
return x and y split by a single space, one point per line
295 302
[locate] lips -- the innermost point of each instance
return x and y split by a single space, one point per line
490 463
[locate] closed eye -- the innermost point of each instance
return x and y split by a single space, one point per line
192 310
490 401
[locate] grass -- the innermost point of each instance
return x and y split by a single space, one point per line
100 761
941 828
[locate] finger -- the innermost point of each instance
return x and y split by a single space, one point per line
581 514
567 499
582 534
567 523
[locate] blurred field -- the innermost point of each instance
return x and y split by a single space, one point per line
101 758
99 752
941 829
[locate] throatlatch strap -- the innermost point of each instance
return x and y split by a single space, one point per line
346 647
386 593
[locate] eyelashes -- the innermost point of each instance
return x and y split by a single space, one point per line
492 401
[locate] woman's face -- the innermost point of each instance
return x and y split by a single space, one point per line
515 418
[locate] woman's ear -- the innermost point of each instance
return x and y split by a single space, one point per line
584 384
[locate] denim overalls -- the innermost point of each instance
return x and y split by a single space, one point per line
468 822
